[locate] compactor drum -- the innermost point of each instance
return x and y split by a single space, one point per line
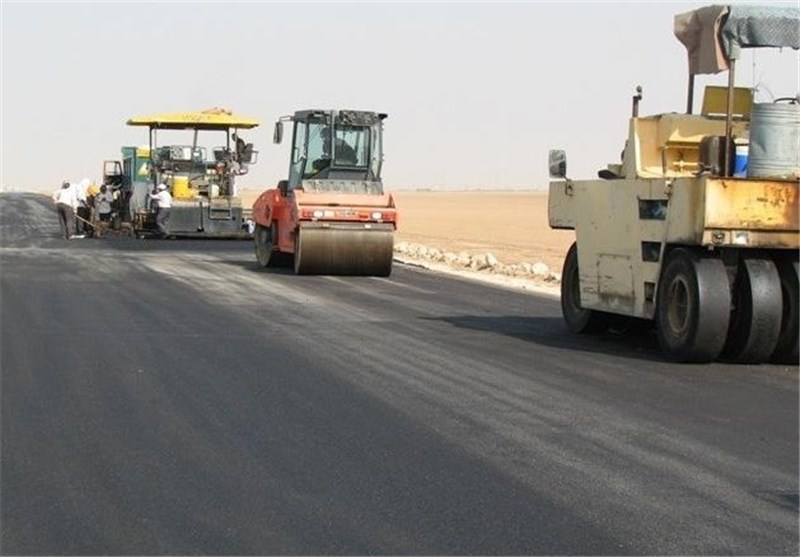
331 216
683 232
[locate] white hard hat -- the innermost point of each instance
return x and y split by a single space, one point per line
162 187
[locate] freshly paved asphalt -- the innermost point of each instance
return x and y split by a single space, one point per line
171 398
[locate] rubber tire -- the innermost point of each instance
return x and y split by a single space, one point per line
265 247
786 351
579 320
757 311
693 306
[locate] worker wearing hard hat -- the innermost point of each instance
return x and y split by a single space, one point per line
164 200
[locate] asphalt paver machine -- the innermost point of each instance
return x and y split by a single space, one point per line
206 203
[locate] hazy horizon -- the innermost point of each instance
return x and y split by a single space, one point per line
476 93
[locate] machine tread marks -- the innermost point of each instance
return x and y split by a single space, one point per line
757 311
579 320
693 306
786 351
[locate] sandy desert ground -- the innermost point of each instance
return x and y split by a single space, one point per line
502 236
511 225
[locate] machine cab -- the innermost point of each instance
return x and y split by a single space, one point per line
341 145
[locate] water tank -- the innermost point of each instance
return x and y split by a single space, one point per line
774 141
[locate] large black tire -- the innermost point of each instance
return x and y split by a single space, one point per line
757 311
265 246
693 307
786 351
579 320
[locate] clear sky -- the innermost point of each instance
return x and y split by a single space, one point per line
476 92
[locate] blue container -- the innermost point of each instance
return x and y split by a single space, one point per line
740 161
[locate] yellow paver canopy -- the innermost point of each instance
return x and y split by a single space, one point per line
210 119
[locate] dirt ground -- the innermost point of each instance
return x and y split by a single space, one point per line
512 226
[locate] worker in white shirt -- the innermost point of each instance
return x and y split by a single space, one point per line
102 204
83 209
66 202
164 200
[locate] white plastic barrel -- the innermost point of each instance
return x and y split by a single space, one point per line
774 150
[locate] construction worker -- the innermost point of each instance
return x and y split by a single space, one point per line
102 204
164 200
345 154
84 208
66 203
240 147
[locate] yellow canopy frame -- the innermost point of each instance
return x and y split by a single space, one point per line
211 119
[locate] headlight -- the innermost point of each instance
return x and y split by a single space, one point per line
317 214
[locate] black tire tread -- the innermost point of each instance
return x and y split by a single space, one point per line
708 306
756 319
579 320
786 351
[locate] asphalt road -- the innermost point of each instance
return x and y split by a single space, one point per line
168 397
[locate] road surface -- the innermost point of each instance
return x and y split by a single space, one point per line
168 397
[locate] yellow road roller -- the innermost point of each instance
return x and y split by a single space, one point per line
697 229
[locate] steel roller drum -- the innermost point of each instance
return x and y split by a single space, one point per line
341 249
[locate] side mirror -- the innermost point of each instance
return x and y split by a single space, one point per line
278 135
558 163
